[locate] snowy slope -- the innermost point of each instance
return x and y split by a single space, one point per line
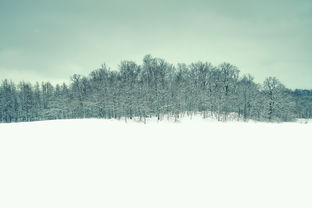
193 163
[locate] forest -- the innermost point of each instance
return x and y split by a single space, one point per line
155 88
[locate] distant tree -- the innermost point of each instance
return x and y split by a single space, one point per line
179 90
279 104
130 72
80 91
228 82
201 74
303 99
37 96
48 102
100 96
155 73
27 109
8 102
248 98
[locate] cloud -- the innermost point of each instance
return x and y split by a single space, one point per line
54 39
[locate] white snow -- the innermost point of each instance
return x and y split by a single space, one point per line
192 163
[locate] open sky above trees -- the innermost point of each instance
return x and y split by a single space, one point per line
51 40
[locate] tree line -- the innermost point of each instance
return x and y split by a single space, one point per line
155 88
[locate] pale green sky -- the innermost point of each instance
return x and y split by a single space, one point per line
51 40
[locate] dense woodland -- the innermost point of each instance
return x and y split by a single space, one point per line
155 88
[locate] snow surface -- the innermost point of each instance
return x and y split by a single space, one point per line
192 163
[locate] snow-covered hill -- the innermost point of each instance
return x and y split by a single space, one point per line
192 163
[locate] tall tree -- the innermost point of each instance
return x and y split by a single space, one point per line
279 104
8 102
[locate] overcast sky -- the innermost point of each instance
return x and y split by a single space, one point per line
51 40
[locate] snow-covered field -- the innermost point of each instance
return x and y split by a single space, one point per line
193 163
